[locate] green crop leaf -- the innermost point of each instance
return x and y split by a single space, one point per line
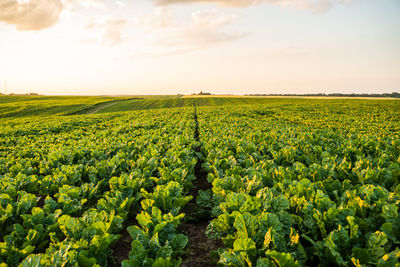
390 259
165 252
130 263
376 243
32 261
85 261
179 242
245 224
138 252
245 244
165 262
268 238
361 255
230 258
281 259
390 213
337 244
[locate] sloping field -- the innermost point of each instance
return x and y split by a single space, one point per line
181 102
24 106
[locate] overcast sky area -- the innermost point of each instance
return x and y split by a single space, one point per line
184 46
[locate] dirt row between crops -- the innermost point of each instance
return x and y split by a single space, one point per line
101 108
200 247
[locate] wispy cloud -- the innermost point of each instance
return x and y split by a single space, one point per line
161 18
120 3
204 29
109 30
72 4
315 5
232 3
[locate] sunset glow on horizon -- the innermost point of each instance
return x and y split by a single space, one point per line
94 47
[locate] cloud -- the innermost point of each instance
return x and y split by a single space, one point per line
120 3
203 30
232 3
109 30
316 5
30 15
161 18
72 4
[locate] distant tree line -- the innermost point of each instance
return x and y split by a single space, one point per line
202 93
393 95
31 94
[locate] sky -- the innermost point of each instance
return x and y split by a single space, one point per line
97 47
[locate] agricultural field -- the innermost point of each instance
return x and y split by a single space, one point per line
27 106
134 181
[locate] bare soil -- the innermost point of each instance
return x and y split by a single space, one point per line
200 247
122 247
198 253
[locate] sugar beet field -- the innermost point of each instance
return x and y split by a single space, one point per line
207 182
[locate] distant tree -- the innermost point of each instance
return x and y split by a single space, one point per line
203 93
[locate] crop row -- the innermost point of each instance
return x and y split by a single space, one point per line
289 191
69 187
